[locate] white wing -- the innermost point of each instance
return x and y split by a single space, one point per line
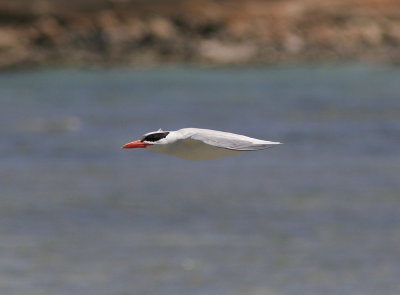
226 140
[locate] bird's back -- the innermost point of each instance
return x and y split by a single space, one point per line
226 140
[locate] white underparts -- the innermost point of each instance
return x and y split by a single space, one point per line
192 150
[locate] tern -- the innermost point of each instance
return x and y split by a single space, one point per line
196 144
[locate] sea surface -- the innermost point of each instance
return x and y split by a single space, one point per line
317 215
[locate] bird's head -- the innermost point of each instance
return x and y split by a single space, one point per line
151 138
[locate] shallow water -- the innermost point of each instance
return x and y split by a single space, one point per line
318 215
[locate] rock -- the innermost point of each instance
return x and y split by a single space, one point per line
293 43
372 34
9 38
394 34
50 32
220 52
161 28
12 47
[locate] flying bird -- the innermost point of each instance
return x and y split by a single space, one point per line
196 144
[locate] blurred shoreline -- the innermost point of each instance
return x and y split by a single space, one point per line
234 32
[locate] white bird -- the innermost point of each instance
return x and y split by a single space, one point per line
196 144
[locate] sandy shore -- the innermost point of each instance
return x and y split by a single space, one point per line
250 32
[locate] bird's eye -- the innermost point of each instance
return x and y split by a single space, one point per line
155 136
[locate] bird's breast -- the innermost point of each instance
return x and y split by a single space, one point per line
192 150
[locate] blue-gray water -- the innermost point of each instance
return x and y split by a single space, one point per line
318 215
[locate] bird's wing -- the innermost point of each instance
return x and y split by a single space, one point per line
228 140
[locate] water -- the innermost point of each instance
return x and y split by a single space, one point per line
318 215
